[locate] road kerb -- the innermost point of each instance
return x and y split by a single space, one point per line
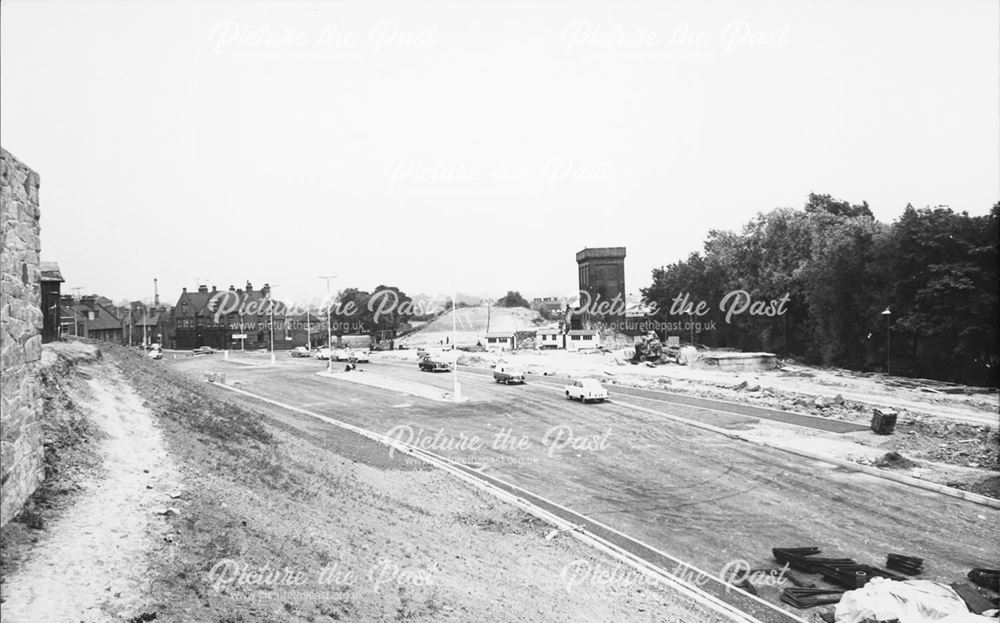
645 567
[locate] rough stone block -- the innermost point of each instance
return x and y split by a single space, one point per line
21 449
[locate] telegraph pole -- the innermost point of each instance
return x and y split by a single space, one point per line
270 298
144 315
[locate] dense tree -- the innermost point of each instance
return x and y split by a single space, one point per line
838 268
351 314
378 314
389 307
512 299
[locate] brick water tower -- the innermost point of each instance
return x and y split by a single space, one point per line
602 281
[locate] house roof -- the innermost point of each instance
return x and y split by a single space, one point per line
51 272
198 301
549 331
500 334
150 321
104 318
582 332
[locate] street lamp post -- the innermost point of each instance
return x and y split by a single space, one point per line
329 326
888 339
144 315
457 391
76 310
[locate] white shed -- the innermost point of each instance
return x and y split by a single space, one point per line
500 341
581 339
550 338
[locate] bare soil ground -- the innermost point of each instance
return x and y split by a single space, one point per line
272 518
471 323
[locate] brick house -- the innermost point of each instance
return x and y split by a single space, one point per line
196 323
90 318
155 323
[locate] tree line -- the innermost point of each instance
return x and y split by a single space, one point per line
919 295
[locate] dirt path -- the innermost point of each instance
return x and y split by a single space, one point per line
91 564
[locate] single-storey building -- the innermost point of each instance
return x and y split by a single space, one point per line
579 339
550 338
505 340
51 281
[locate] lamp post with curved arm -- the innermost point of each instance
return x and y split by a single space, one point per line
888 339
329 326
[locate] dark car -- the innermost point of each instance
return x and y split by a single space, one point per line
429 364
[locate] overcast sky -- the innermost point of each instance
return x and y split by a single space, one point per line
472 144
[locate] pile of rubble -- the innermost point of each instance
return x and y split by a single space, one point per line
864 592
968 445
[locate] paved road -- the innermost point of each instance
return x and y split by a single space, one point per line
702 409
699 496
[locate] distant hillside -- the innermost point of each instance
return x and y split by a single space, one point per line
442 300
470 324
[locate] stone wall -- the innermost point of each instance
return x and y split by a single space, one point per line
21 452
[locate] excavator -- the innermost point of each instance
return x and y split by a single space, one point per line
649 348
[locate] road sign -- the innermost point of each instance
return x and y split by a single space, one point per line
239 336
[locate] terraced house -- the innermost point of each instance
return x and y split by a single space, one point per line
229 319
90 317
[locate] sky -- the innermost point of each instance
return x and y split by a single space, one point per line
475 145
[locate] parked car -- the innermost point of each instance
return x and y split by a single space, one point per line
204 350
323 353
341 354
430 364
299 351
508 374
155 354
359 356
586 390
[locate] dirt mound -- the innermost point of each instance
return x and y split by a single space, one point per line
895 460
471 323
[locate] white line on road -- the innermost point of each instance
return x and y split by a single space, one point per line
865 469
643 566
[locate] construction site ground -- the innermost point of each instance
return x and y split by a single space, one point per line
945 433
700 496
168 500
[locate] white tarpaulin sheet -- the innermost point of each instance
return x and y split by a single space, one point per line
913 601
